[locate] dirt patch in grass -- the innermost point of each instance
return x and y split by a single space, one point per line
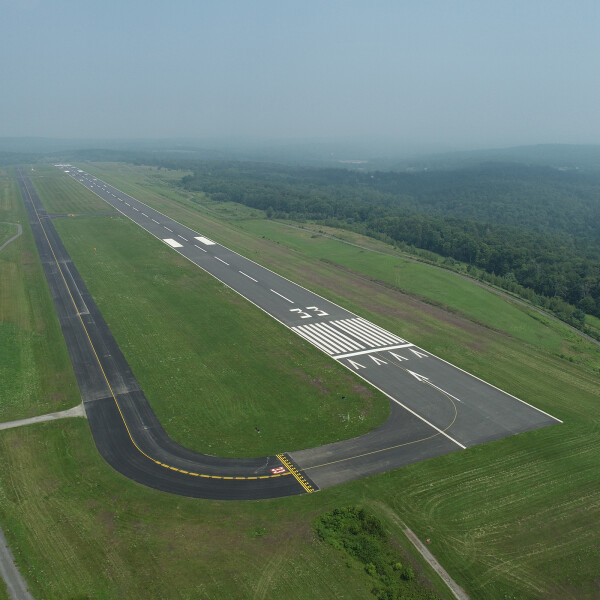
364 392
315 381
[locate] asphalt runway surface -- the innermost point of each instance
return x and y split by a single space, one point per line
436 407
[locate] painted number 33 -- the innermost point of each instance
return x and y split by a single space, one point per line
305 315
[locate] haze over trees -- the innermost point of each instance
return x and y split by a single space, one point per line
532 229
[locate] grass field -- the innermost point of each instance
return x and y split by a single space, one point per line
517 518
35 371
80 530
7 230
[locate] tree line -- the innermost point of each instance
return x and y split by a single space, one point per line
536 230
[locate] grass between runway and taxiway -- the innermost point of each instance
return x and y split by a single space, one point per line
516 518
222 377
36 376
63 196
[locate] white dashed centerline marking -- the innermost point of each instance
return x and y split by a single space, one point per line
248 276
145 215
282 296
127 203
184 239
225 263
168 228
156 221
134 208
200 248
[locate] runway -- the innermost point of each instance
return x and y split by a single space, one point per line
436 407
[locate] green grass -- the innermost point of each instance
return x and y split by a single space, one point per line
593 323
36 376
64 195
79 529
516 518
7 230
213 367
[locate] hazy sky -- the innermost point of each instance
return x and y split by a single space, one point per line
454 72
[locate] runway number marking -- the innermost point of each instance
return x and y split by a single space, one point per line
320 313
301 313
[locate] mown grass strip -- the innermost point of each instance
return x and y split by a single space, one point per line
36 375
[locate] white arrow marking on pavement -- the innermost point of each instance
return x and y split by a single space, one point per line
417 376
356 365
377 361
426 379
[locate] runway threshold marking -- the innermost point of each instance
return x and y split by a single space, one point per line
372 351
166 466
296 473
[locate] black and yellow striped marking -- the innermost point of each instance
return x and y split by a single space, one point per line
296 473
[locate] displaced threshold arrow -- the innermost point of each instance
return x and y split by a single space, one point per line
417 376
426 380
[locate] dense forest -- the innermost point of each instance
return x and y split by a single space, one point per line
534 230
